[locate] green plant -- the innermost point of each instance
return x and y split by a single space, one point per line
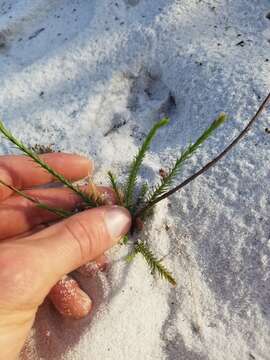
155 264
170 177
57 211
137 162
140 205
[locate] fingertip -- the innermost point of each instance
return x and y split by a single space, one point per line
103 263
69 299
91 268
86 164
79 166
117 220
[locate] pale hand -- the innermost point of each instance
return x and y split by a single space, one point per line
33 258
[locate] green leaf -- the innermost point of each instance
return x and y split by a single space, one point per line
137 162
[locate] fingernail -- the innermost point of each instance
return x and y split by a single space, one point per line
118 221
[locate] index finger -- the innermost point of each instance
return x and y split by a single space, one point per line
22 173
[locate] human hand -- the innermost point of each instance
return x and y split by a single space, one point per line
34 262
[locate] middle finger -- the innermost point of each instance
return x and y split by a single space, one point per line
19 215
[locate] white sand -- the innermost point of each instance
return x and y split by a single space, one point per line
73 70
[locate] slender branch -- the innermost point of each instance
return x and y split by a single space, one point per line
59 212
115 187
155 264
168 180
211 163
137 162
34 156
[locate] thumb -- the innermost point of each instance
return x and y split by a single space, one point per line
73 242
30 266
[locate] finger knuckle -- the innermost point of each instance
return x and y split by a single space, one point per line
87 238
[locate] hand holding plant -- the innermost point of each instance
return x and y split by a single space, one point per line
35 259
139 202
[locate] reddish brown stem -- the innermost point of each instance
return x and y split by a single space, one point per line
208 165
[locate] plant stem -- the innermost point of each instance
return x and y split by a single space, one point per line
155 264
59 212
115 188
210 164
34 156
137 162
167 181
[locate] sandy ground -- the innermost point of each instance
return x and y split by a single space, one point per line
92 76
